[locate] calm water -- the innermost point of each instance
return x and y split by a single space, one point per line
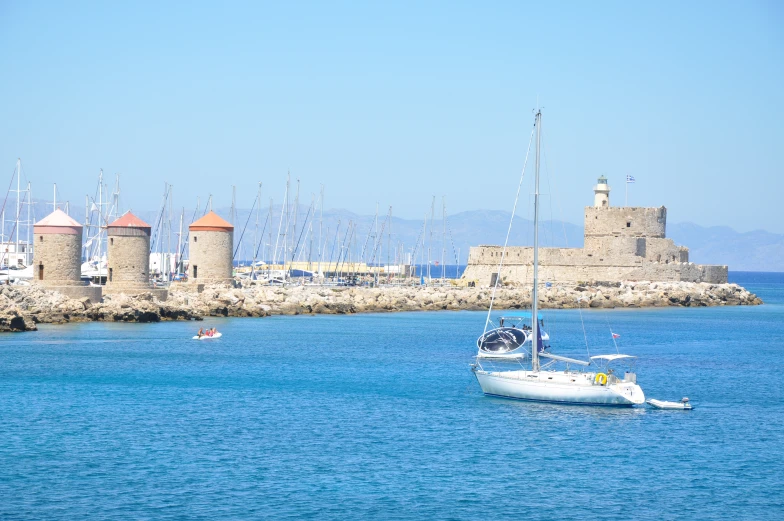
378 416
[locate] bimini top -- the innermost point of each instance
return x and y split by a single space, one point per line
610 358
128 220
211 222
520 314
57 222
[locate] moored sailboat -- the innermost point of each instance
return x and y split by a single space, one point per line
544 384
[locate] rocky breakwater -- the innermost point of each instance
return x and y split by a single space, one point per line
260 300
22 307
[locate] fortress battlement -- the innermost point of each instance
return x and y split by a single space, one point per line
621 244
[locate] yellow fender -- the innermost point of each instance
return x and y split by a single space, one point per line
601 379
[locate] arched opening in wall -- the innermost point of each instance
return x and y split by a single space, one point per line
41 271
111 273
196 272
111 241
40 238
195 239
604 203
628 224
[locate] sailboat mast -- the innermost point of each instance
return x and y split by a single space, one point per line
430 242
18 201
534 292
443 241
179 244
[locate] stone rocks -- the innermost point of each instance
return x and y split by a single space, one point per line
12 321
27 305
39 306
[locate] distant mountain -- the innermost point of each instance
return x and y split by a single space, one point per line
749 251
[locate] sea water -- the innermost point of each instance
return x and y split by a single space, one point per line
379 417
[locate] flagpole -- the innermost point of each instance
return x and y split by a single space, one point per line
627 191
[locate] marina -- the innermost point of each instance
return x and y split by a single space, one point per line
300 250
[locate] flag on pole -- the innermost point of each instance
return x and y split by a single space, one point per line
616 335
629 178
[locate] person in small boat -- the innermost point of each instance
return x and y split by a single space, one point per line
213 332
200 333
209 332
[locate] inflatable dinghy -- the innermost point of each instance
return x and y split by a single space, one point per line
682 405
205 337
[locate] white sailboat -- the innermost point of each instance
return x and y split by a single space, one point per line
545 384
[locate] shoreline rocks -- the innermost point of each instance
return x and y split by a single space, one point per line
26 306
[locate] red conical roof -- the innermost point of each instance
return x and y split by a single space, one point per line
211 222
128 220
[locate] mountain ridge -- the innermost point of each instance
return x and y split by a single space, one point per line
756 250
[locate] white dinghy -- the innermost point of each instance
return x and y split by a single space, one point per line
682 405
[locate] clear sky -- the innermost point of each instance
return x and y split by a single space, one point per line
393 102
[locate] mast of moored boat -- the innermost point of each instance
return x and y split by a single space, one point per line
534 295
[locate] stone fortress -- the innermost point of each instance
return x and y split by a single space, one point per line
621 244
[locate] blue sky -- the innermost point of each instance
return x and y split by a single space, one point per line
395 102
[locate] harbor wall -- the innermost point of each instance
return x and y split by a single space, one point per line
576 265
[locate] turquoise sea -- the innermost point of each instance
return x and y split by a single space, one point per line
379 417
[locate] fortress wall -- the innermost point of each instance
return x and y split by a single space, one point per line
577 265
665 250
626 222
523 275
612 246
517 255
713 274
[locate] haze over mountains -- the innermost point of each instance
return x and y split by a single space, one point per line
749 251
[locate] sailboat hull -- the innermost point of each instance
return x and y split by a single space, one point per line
558 387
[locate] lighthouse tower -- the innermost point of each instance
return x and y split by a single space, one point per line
601 198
